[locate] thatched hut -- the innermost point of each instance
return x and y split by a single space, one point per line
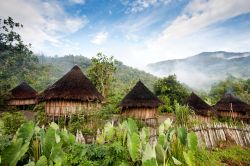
231 106
202 110
72 94
140 103
22 96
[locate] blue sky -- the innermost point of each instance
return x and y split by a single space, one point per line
136 32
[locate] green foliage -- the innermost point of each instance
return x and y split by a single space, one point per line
237 86
149 156
12 121
166 107
14 55
42 161
192 142
4 141
19 145
40 115
170 90
233 155
182 135
101 72
134 146
121 145
132 126
182 114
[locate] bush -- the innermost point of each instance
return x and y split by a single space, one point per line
182 114
12 121
166 107
40 115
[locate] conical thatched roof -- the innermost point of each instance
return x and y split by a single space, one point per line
22 91
72 86
229 101
198 105
195 102
140 96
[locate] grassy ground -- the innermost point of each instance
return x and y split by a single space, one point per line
231 156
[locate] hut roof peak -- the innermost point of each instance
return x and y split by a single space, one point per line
74 85
140 96
198 105
76 67
22 91
196 102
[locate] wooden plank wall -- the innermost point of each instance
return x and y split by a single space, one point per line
230 114
140 113
65 108
16 102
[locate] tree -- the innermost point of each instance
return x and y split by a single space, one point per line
101 72
17 61
237 86
170 90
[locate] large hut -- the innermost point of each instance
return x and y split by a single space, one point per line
231 106
202 110
72 94
140 103
22 96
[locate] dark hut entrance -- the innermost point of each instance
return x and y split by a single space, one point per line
72 94
233 107
140 103
23 97
202 110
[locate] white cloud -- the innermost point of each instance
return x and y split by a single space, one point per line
192 33
100 38
202 13
44 22
140 5
81 2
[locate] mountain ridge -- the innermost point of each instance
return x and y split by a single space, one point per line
202 70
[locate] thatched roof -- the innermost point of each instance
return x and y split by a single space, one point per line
198 105
72 86
140 96
231 103
22 91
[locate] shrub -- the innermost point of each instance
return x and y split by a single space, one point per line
182 114
12 121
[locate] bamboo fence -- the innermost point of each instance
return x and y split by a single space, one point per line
211 135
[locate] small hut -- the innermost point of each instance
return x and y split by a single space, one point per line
202 110
231 106
140 103
72 94
22 96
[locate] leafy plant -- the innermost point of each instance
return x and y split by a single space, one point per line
40 115
182 114
12 121
19 145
